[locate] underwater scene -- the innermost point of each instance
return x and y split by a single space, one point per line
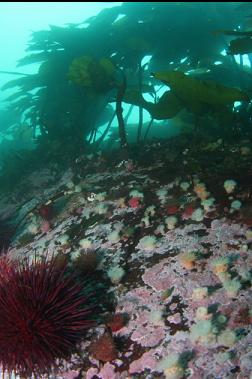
126 190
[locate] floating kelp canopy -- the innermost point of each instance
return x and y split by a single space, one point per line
84 66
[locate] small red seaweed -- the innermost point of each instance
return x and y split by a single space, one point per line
188 211
117 321
172 209
46 211
134 202
104 348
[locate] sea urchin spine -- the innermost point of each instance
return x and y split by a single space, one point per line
43 314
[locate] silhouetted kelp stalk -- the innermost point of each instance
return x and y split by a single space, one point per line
148 128
14 73
121 89
106 130
140 87
128 113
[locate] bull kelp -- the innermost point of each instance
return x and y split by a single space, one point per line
126 195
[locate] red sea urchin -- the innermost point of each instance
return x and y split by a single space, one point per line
43 314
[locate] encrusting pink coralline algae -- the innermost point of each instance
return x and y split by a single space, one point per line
185 288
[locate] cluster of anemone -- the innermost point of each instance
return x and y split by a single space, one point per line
235 205
171 222
174 366
116 273
203 331
188 259
115 235
207 202
230 185
147 243
184 186
162 194
201 191
220 266
149 212
200 293
210 329
197 215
